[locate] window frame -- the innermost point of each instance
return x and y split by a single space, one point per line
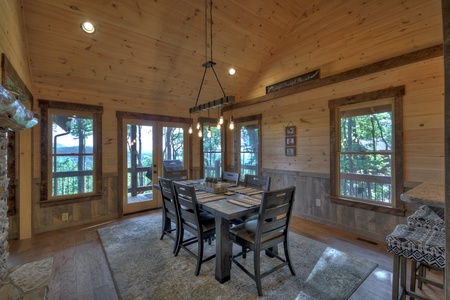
48 108
397 207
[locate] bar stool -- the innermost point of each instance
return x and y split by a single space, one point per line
420 245
424 217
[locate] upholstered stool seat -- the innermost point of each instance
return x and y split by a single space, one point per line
420 245
425 217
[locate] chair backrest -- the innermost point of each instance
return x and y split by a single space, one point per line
168 197
256 181
230 177
186 201
176 174
274 214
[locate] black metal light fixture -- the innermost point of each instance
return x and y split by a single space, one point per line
209 64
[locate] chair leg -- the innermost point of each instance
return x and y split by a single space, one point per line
164 220
244 254
177 239
256 262
288 257
179 242
199 256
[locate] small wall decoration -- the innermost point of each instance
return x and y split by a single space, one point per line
290 151
290 140
290 130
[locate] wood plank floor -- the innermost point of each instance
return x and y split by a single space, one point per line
80 270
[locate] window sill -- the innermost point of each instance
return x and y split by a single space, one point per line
396 211
48 203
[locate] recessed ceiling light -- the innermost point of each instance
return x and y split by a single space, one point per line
88 27
232 71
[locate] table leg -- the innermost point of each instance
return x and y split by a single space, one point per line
223 250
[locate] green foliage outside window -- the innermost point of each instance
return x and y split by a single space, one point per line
365 155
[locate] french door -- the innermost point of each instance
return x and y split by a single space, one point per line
148 147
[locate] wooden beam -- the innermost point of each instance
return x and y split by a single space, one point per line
380 66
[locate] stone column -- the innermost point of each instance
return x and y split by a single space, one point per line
3 205
14 116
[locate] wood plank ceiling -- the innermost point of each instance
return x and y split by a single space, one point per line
153 50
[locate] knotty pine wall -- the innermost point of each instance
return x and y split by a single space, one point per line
362 33
13 44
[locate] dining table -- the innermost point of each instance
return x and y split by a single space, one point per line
237 202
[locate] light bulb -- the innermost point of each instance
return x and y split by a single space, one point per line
231 123
218 126
190 129
221 120
198 125
208 133
200 133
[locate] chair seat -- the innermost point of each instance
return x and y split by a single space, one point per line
425 217
247 231
419 244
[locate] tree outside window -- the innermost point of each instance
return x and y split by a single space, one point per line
212 152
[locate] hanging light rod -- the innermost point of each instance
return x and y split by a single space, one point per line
212 104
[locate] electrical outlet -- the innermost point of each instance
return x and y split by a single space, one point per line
317 202
65 217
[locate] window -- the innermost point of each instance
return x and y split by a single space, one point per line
212 152
71 141
366 150
249 133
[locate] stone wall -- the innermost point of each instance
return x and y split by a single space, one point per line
3 205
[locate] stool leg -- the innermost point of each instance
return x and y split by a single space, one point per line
395 277
412 283
422 274
403 277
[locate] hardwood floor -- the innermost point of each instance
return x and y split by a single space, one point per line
80 269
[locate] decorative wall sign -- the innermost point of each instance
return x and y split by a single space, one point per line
293 81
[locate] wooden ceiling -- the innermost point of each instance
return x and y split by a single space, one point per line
154 50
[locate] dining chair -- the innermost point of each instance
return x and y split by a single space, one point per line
257 181
266 232
230 177
199 223
176 174
169 211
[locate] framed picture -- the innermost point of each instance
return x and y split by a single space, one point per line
290 130
290 141
290 151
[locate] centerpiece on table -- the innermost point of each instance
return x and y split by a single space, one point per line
212 186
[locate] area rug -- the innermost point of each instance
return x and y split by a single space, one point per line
143 267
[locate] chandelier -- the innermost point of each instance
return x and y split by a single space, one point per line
209 64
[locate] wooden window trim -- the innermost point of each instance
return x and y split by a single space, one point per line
97 112
398 207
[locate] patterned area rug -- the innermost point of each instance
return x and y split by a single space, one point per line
143 267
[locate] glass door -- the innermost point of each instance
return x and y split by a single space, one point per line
151 148
140 173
